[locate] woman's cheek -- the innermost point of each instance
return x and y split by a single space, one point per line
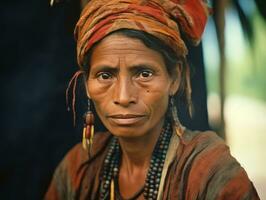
96 89
156 100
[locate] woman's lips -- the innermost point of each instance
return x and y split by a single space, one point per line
126 119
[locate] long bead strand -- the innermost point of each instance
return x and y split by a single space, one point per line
153 178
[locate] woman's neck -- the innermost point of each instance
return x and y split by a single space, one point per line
135 161
137 152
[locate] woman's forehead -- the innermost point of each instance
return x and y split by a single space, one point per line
121 46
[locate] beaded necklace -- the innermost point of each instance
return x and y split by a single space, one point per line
153 178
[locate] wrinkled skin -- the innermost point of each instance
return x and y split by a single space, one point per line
129 85
130 88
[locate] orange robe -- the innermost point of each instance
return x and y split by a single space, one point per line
202 168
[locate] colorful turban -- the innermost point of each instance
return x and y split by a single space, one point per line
164 19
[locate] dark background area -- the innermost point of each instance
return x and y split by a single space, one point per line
37 61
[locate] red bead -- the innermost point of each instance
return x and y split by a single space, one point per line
88 132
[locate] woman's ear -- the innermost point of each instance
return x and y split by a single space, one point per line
86 87
176 79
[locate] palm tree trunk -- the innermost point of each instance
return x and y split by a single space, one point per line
219 19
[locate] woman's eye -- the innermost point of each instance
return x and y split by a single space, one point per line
145 74
104 76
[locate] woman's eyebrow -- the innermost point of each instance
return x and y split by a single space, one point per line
140 67
107 68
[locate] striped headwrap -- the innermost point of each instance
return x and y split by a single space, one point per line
164 19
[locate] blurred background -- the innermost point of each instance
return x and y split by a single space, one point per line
38 59
235 63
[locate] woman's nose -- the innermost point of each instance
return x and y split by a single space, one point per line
124 92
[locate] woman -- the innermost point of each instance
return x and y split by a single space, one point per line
134 61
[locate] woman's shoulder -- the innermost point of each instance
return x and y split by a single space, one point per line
78 155
196 136
205 160
69 173
206 146
202 140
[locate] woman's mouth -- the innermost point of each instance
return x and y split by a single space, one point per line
126 119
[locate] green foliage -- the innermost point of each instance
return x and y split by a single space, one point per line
245 74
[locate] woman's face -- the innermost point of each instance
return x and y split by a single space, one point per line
129 85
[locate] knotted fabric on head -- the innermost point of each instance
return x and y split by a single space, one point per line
164 19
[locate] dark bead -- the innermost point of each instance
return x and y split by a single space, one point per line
152 181
152 186
89 118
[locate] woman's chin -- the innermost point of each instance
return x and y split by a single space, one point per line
127 131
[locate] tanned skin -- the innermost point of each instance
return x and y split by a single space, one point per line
130 88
